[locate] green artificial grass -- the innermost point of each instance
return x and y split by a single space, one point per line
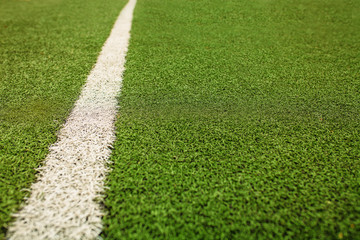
47 49
238 120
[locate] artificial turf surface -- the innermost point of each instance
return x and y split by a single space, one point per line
238 120
47 49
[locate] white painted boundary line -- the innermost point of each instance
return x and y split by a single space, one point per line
62 203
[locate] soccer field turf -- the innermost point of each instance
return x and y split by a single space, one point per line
240 120
237 119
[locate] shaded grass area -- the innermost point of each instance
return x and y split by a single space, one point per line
238 120
48 47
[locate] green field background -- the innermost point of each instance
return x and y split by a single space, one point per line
238 120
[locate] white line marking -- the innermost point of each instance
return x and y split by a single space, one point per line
62 203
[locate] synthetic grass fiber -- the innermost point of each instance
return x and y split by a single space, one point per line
47 50
239 120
